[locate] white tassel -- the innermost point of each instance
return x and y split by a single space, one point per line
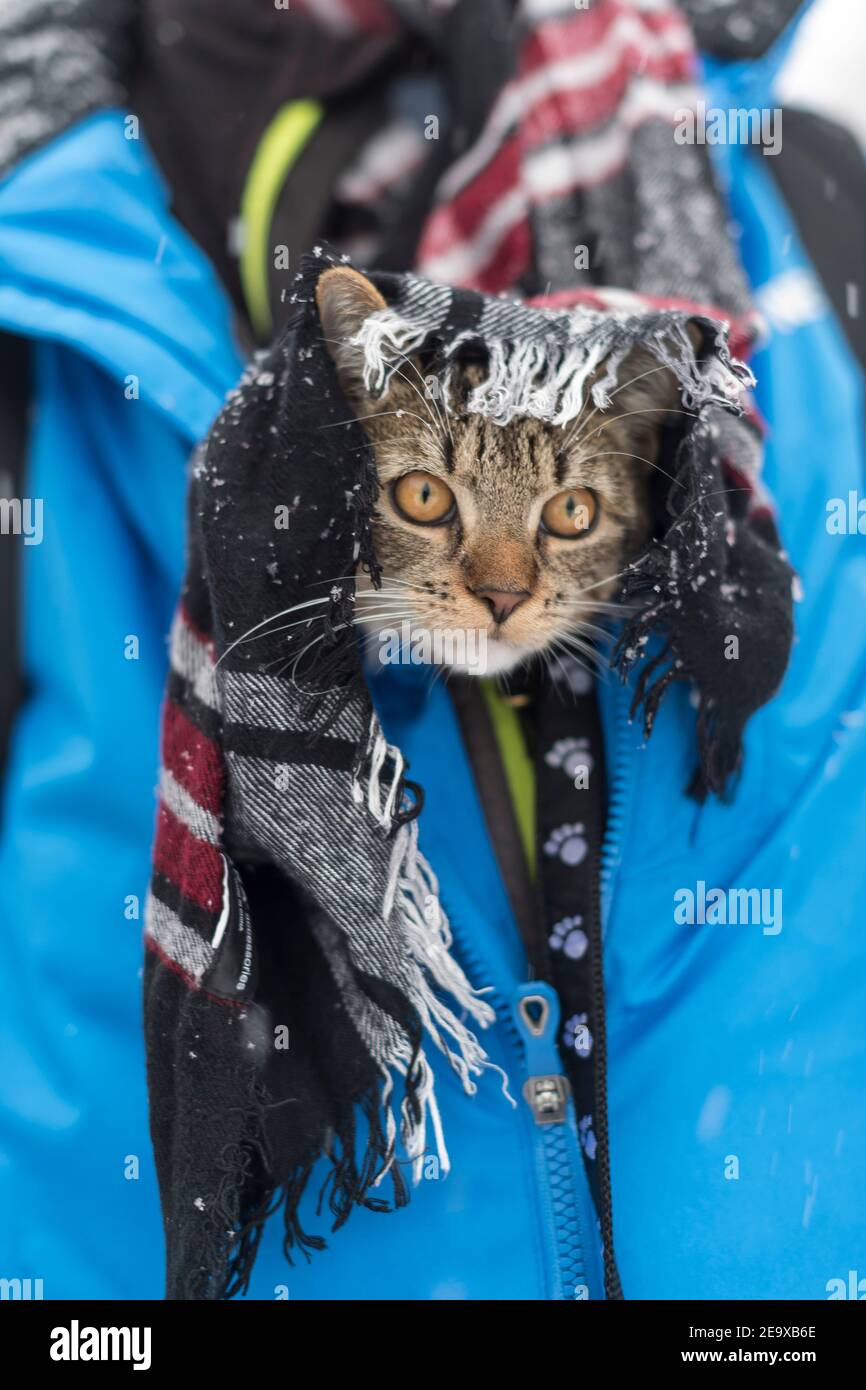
385 337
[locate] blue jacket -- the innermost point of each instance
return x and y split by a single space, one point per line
132 357
736 1055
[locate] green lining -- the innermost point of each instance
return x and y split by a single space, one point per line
276 152
519 771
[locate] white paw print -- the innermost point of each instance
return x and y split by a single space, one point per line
572 755
567 937
567 843
587 1137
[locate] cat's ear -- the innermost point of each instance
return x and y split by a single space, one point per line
344 299
647 392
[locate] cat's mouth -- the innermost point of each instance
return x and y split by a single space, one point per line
479 633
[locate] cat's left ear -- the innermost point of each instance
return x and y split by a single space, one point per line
647 392
345 299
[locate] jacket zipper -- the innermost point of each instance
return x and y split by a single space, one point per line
565 1191
550 1123
618 801
531 1021
618 811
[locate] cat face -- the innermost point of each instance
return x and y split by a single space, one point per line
518 534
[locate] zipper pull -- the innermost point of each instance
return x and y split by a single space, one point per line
547 1090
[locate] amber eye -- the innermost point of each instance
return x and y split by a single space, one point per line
570 515
424 499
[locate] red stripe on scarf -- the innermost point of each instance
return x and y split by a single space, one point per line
512 258
556 116
194 866
623 47
576 35
192 758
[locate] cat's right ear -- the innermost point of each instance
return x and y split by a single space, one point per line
344 299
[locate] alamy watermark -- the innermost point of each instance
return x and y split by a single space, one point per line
23 1290
852 1287
77 1343
846 516
756 907
734 125
408 645
22 516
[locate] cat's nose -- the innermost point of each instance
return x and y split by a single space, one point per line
502 602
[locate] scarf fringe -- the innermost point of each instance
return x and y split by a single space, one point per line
412 902
345 1186
545 377
658 578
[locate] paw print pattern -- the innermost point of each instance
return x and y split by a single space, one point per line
572 755
567 937
576 1036
575 675
587 1138
567 843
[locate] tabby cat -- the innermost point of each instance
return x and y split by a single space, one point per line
520 532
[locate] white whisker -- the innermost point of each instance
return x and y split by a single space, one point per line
245 636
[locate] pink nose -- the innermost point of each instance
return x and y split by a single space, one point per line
502 602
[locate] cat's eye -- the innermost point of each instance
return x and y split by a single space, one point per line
423 498
570 515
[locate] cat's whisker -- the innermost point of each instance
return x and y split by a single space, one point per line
404 590
298 658
717 492
551 655
300 622
378 415
585 656
247 636
305 622
366 614
379 595
652 371
573 637
407 583
600 672
610 579
588 397
341 343
426 398
387 579
597 605
573 439
572 429
444 410
608 453
602 632
385 616
570 437
285 627
575 424
434 421
391 613
648 410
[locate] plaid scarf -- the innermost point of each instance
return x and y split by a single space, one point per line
299 967
553 161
